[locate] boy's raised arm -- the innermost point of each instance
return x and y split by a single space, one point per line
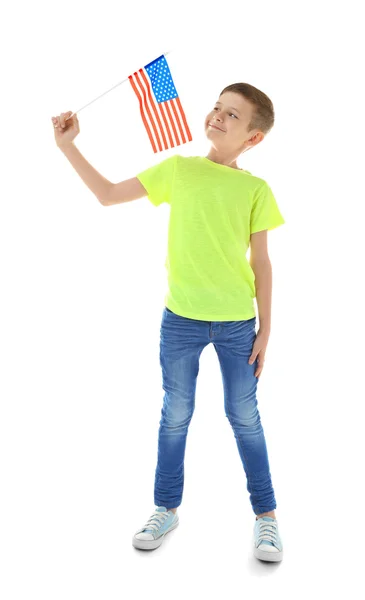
124 191
66 128
99 185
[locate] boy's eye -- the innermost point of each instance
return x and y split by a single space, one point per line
216 108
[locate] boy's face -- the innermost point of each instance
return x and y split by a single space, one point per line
231 114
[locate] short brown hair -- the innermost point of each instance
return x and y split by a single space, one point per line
263 115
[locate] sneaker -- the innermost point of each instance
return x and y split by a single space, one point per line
267 541
152 534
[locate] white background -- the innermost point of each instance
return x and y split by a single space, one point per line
82 290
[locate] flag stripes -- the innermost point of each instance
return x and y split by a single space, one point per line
165 122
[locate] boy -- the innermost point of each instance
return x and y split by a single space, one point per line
216 211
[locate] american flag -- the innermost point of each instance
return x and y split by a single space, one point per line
160 106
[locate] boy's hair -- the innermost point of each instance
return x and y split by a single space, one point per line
263 115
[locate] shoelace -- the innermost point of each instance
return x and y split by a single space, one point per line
157 516
267 531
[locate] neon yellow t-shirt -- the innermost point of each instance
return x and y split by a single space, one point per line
213 211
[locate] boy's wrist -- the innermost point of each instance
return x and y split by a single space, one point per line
64 148
264 329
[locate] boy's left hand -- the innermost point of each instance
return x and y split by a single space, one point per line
259 350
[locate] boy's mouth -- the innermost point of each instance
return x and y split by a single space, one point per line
215 127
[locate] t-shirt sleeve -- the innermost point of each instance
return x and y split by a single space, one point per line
158 180
265 212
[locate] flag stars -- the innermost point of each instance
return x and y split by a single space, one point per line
161 80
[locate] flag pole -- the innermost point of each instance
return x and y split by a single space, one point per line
112 88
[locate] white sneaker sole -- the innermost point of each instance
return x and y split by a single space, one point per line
152 544
268 556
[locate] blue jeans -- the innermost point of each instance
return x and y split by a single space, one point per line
182 341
